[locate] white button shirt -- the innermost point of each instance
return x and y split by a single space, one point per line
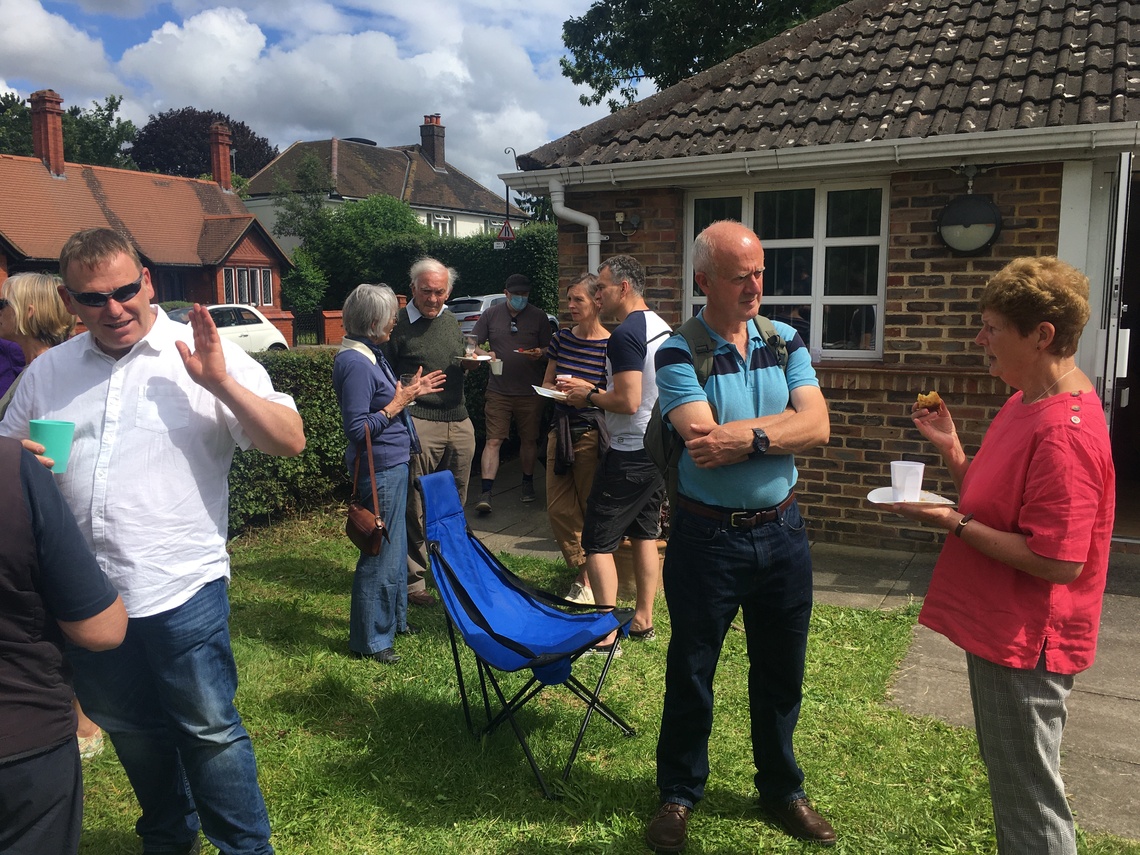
148 475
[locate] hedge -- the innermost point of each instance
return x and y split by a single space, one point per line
263 486
482 269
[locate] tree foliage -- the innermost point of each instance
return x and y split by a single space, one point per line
177 142
347 243
618 43
95 136
300 205
539 208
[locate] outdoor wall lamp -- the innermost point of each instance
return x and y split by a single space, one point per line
969 224
620 219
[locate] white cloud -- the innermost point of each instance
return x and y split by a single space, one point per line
310 69
48 51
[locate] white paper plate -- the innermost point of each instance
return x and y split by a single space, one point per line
486 357
885 496
550 393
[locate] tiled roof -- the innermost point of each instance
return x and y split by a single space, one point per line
874 70
365 170
170 220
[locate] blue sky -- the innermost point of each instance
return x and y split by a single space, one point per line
310 69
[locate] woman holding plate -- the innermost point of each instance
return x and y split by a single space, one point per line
578 435
1020 580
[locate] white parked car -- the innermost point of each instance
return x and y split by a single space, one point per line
243 325
468 310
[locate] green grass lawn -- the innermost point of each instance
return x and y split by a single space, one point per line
357 757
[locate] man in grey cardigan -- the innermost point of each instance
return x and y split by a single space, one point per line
428 336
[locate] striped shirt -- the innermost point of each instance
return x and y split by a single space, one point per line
578 357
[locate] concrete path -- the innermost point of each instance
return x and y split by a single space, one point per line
1101 761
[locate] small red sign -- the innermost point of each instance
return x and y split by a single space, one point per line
506 232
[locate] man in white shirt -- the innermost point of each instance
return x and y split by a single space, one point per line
159 408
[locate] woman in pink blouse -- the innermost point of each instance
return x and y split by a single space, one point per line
1021 576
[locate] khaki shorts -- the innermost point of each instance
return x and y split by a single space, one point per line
525 409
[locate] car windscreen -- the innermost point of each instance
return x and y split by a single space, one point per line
461 306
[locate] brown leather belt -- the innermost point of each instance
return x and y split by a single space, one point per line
741 520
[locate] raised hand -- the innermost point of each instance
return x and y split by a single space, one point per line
206 365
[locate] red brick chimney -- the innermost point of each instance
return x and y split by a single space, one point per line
431 141
47 129
220 140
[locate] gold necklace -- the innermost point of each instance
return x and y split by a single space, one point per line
1053 385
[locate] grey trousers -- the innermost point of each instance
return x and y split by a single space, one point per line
443 445
1020 716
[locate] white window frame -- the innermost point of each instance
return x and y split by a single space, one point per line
442 224
818 243
255 284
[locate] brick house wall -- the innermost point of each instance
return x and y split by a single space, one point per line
930 322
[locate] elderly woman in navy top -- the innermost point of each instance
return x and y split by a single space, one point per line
373 400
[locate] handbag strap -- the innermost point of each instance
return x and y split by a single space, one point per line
371 471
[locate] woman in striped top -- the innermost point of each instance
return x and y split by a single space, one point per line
578 435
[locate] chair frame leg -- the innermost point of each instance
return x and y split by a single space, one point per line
508 708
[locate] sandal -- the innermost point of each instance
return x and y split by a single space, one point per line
90 746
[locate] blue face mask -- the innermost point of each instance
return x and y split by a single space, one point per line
517 301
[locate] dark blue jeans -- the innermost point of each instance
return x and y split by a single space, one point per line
166 699
710 573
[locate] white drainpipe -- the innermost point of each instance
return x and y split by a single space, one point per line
593 230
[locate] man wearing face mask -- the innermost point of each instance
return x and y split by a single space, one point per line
518 333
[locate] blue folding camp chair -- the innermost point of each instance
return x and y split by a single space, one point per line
510 626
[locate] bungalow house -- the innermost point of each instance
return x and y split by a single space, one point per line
196 237
891 155
443 198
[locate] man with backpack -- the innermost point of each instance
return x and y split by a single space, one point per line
738 541
626 496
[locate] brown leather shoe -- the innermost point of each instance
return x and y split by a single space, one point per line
667 830
421 598
800 820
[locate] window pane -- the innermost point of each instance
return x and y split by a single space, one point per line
254 285
849 327
243 285
266 286
708 211
787 272
796 316
851 271
784 214
853 213
228 277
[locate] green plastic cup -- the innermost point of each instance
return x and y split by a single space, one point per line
55 437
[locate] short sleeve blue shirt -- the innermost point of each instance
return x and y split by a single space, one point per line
737 388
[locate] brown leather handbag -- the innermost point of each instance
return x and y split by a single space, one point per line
364 528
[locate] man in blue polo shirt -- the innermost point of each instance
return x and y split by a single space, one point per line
738 540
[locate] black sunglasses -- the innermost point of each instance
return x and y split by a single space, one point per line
4 304
98 299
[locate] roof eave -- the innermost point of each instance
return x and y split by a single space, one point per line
883 156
